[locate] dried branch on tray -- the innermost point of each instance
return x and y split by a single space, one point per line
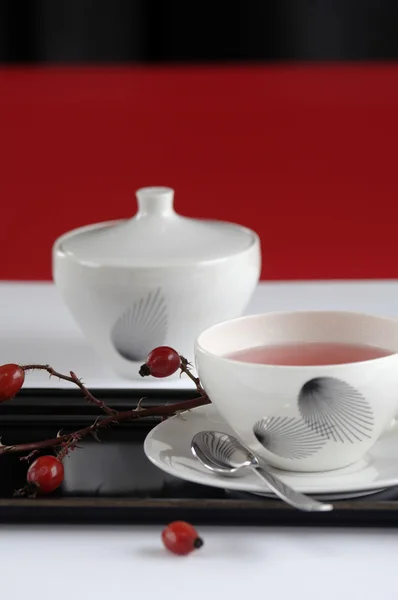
46 473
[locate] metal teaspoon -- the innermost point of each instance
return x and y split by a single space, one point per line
225 454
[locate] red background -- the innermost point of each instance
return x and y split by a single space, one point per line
304 155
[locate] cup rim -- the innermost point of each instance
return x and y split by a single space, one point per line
263 366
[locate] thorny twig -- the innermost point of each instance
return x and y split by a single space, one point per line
73 379
185 368
29 456
65 443
69 441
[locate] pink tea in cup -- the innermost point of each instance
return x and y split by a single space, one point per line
309 354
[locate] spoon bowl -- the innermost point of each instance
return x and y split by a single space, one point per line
211 451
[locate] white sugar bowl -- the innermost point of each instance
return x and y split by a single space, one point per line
155 279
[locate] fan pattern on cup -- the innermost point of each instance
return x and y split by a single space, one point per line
288 437
142 327
330 409
335 409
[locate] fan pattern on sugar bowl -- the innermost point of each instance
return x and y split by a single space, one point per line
141 327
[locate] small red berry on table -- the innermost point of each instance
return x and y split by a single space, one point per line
12 378
46 473
181 538
161 362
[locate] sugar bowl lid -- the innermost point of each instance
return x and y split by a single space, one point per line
157 236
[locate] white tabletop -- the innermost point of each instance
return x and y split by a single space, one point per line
97 562
103 563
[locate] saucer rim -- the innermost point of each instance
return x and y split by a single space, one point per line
238 484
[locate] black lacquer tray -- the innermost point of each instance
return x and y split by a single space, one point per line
113 482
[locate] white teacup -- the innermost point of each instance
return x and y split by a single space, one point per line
303 418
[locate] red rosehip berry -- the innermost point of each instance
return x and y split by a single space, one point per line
161 362
181 538
46 473
12 378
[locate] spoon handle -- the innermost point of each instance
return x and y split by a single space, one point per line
290 496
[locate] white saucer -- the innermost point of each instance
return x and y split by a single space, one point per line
168 447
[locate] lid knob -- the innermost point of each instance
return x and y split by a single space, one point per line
155 201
